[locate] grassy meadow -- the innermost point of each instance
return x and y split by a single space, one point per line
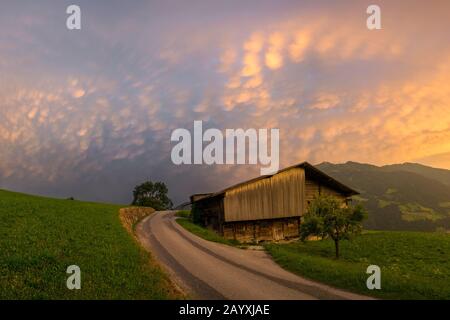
41 237
414 265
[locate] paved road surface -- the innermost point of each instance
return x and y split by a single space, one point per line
208 270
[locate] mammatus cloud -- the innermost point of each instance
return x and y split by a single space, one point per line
92 116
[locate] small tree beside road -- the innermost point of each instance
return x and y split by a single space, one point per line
329 217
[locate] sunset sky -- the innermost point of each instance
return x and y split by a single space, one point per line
89 113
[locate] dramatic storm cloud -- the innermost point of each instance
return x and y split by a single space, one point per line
89 113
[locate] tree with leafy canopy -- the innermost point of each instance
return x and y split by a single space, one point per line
149 194
329 217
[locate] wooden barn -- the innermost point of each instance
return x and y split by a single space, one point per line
267 207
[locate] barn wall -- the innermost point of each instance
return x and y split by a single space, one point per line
279 196
262 230
211 212
250 201
313 188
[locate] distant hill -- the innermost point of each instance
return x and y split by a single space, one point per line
441 175
405 196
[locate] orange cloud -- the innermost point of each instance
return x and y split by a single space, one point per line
274 55
299 45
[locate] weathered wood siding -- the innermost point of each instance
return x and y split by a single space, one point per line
279 196
262 230
313 188
211 210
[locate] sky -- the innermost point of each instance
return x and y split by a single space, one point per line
89 113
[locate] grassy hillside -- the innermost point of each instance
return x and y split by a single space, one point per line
414 265
398 197
41 237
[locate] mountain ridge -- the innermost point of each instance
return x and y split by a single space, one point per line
404 196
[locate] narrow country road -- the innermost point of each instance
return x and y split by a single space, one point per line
208 270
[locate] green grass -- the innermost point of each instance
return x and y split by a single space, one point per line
444 204
184 214
358 198
204 233
41 237
391 191
413 265
384 203
417 212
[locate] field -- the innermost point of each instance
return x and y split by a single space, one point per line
414 265
41 237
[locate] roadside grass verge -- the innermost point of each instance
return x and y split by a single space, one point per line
184 214
414 265
41 237
206 234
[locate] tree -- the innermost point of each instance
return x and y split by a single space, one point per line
329 217
149 194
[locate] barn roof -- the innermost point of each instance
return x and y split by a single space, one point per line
310 171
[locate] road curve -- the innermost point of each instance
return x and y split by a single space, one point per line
209 270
